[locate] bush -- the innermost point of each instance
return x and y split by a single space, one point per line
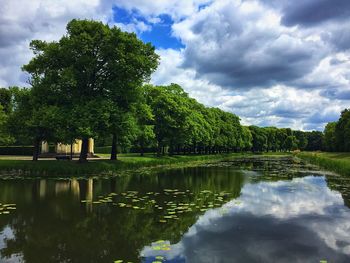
16 150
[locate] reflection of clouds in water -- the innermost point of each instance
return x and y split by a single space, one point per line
284 199
7 234
173 254
286 221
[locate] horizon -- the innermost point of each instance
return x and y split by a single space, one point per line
226 54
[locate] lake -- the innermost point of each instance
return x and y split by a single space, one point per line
265 210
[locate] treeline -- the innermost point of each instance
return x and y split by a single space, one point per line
337 134
164 118
90 84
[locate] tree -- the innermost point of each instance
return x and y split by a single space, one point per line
330 140
315 141
5 137
93 71
170 112
246 139
301 138
342 131
259 139
32 120
144 116
6 100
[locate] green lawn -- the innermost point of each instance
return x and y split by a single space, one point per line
337 162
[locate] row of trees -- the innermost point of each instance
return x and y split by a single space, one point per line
90 84
164 118
337 134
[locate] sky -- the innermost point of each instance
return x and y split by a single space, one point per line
272 62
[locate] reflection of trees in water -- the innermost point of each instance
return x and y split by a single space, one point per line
51 225
340 184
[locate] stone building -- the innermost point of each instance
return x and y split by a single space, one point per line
65 149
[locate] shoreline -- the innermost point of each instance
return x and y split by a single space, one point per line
125 164
335 162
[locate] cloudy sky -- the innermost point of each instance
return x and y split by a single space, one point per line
272 62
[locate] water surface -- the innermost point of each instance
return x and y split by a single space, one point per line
262 211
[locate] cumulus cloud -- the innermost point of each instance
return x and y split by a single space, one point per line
279 105
314 12
239 44
21 21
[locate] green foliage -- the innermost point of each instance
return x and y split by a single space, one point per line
342 132
183 124
330 140
301 139
333 162
315 141
16 150
6 100
91 75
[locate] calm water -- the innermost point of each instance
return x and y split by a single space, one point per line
271 211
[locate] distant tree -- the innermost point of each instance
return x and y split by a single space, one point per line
301 138
145 136
6 100
245 143
259 139
290 143
330 140
342 131
5 137
170 111
271 133
315 141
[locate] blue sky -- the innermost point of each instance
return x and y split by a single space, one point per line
160 34
272 62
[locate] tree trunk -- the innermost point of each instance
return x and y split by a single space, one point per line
159 151
142 150
36 149
71 150
114 147
142 147
171 149
84 150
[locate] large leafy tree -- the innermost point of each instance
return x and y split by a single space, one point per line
170 109
93 74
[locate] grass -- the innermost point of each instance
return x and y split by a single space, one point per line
336 162
126 162
102 166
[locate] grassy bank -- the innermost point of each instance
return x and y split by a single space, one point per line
103 166
336 162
